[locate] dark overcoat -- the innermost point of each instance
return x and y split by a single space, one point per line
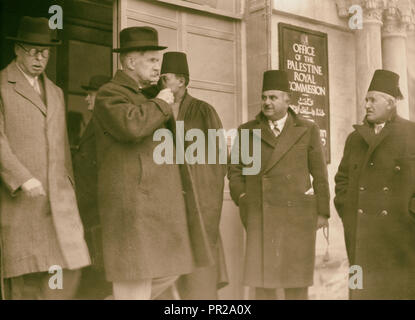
280 218
209 179
141 203
85 173
47 230
375 198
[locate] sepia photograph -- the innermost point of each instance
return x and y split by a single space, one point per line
226 151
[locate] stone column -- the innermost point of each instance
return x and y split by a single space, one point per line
368 41
368 55
394 52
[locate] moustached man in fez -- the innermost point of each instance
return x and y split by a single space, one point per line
202 284
375 195
40 223
280 208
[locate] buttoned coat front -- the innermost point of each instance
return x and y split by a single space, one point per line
145 217
279 215
280 218
375 197
36 232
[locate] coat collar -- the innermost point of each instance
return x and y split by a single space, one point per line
366 131
88 133
123 79
187 99
292 132
23 88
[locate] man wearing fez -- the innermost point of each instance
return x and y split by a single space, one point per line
280 208
375 195
93 284
40 223
203 283
146 240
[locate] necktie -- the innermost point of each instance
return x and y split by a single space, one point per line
36 86
378 128
274 128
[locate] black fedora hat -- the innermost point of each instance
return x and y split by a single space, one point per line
138 38
174 62
275 80
387 82
35 31
96 82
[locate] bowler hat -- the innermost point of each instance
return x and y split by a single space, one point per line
138 38
387 82
96 82
174 62
275 80
35 31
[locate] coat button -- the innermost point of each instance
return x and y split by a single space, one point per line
288 176
372 164
384 213
289 203
386 189
397 168
360 211
362 189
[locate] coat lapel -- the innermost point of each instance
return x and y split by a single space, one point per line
288 137
371 139
52 98
266 134
23 87
88 133
184 106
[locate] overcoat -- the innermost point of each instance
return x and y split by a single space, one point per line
44 231
278 211
375 198
209 179
85 172
142 206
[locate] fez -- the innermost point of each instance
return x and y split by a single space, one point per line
275 80
96 82
174 62
138 38
387 82
35 31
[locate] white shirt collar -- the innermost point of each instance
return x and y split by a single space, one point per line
28 77
279 123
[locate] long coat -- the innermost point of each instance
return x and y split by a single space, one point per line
44 231
208 178
280 218
85 172
375 197
141 203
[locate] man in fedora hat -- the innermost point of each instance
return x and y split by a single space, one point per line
40 223
280 208
203 283
93 284
146 240
375 195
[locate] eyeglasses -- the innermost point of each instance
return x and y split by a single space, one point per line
34 52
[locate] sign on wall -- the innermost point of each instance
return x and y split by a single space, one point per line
303 55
